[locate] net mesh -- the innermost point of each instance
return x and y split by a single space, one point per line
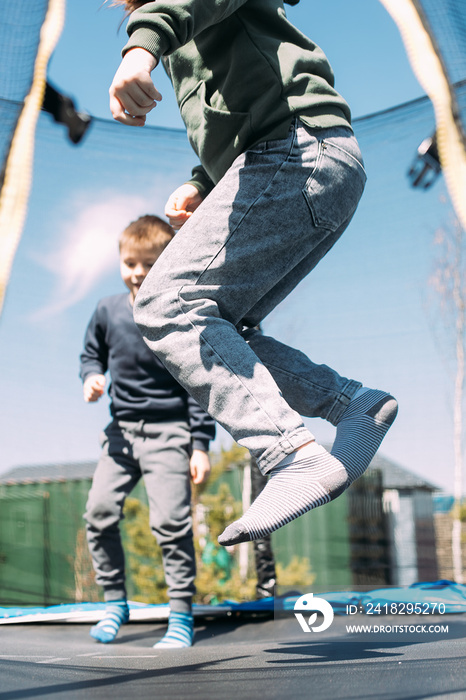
447 26
18 49
18 141
370 301
436 52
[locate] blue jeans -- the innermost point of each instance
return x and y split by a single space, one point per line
276 212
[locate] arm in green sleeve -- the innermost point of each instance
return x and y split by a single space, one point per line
164 26
201 181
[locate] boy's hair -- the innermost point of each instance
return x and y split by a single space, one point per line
129 5
148 231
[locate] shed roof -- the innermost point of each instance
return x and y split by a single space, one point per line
43 473
394 476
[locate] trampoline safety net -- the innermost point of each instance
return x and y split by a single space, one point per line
74 211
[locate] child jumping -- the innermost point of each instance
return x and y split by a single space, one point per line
158 432
280 179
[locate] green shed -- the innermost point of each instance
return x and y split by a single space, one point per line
345 542
43 549
44 559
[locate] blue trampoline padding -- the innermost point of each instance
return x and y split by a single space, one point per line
138 611
451 595
73 610
75 607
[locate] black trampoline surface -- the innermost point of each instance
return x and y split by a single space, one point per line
232 658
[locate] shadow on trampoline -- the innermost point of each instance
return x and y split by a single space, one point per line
205 629
211 629
335 649
116 679
153 635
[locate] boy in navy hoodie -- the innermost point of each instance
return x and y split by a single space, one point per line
158 432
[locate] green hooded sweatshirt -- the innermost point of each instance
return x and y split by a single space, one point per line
241 72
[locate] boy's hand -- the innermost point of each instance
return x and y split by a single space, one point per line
199 465
93 387
181 204
132 92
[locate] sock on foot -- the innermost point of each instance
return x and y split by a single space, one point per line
304 480
116 614
180 632
362 428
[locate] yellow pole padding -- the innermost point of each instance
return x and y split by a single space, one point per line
18 170
430 73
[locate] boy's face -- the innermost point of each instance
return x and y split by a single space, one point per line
135 263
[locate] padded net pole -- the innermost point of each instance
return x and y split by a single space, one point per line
430 71
18 167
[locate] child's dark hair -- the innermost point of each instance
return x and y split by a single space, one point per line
148 231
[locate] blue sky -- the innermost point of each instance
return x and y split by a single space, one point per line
365 310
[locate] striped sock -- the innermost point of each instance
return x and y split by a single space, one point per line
116 614
180 632
362 428
304 480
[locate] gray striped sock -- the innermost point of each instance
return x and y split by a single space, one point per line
292 489
362 428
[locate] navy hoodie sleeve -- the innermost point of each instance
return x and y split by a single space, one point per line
94 358
201 424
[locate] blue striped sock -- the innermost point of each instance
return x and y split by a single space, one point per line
180 632
306 479
116 614
362 428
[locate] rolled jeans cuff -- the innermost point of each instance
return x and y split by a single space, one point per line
342 401
284 447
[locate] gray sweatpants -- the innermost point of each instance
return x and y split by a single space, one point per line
158 452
